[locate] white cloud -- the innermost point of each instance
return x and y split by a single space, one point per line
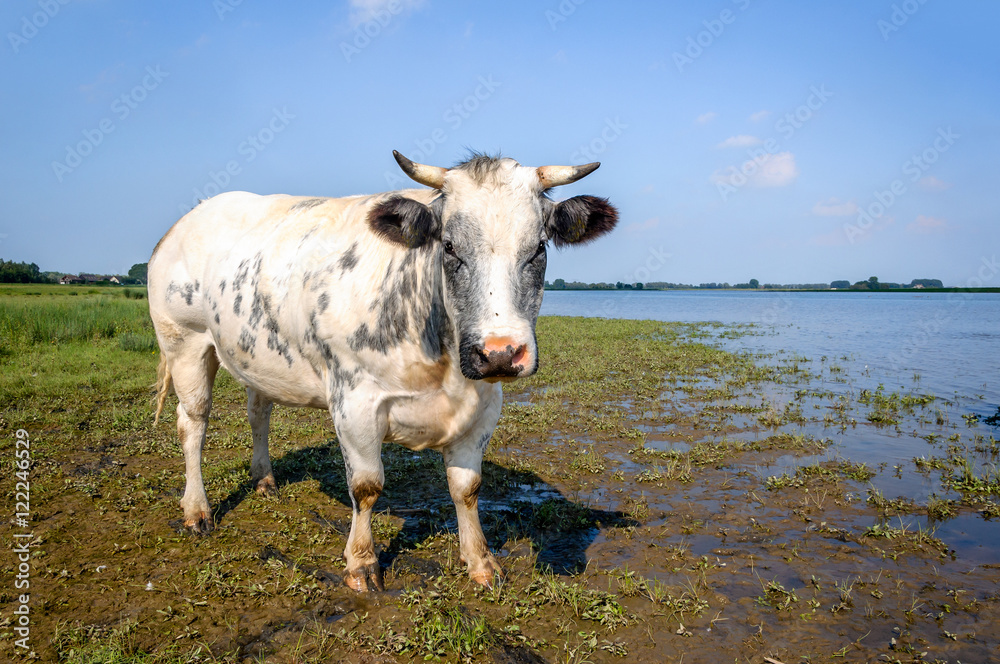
760 116
925 224
835 208
741 141
931 183
363 11
771 170
777 170
705 118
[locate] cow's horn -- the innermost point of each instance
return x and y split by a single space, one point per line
553 176
432 176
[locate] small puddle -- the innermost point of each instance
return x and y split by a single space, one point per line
972 542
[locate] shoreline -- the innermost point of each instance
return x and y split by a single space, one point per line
775 290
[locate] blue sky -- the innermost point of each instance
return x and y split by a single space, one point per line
785 141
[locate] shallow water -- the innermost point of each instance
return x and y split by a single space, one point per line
941 344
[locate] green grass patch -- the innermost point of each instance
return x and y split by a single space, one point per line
60 316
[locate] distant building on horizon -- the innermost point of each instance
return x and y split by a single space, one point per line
85 278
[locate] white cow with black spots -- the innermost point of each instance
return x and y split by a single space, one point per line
398 312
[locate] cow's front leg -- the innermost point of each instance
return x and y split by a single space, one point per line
361 444
363 572
464 465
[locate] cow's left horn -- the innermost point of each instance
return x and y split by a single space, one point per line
554 176
432 176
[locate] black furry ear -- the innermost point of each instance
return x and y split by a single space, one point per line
581 219
404 221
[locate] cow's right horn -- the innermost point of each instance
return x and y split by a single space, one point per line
432 176
554 176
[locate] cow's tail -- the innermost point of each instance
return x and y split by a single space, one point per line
163 384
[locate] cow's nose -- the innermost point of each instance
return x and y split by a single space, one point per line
499 357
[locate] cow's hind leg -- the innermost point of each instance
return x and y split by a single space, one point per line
193 368
463 462
259 414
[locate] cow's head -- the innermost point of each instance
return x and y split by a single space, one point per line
492 223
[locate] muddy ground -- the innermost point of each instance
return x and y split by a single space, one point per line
652 499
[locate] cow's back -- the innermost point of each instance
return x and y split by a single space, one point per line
221 227
273 282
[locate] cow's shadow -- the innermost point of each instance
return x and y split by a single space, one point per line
514 504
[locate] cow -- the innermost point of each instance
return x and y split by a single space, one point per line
400 313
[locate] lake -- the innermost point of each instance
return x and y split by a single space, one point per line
948 340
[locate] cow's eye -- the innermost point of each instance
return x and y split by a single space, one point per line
539 252
449 248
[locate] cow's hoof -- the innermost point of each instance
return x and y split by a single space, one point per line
202 525
266 486
365 579
487 572
487 577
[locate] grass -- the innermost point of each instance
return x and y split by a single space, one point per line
676 603
78 644
58 317
66 338
820 473
441 630
586 604
886 408
777 596
906 538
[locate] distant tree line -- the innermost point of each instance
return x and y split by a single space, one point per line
29 273
20 273
871 283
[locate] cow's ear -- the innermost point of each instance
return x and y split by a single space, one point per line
581 219
404 221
